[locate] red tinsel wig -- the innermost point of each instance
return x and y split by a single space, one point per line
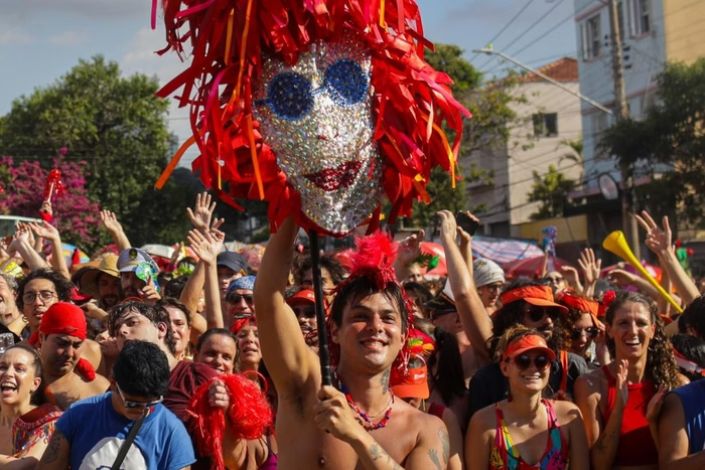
227 39
249 415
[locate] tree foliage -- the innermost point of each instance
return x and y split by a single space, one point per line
115 124
75 214
489 127
672 133
551 190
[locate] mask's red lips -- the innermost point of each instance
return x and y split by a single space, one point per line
332 179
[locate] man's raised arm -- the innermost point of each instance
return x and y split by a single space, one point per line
289 361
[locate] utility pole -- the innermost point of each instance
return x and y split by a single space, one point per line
629 223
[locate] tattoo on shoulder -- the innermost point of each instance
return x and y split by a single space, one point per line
433 455
53 449
445 444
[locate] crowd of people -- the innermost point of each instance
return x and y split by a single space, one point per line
209 360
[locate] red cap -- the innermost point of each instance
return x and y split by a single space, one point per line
541 296
413 383
301 297
64 318
526 343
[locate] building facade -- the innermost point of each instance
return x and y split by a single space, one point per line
654 32
548 119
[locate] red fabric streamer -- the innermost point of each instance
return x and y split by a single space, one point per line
411 103
250 415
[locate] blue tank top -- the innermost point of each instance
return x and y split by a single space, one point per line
693 400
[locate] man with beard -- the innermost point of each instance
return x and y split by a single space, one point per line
67 376
319 426
303 303
138 274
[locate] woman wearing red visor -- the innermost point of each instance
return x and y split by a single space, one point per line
526 431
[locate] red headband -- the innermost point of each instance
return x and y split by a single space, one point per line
541 296
64 318
576 302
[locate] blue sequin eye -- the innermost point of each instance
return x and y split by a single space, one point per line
348 82
290 96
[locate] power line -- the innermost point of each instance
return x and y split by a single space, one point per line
504 28
549 31
533 25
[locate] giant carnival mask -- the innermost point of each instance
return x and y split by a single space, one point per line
318 107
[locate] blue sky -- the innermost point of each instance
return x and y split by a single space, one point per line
40 40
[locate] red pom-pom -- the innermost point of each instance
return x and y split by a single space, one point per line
85 369
249 413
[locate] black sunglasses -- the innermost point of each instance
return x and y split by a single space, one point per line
536 314
591 332
236 298
523 361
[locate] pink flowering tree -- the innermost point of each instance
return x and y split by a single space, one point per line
22 192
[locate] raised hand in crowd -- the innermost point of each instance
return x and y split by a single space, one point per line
202 212
206 245
22 244
659 240
590 266
47 231
114 228
472 313
572 278
409 251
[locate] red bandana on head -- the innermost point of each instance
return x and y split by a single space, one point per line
317 107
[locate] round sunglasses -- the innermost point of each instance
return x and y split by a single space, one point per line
591 332
540 361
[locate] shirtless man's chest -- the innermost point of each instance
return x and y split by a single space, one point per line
302 445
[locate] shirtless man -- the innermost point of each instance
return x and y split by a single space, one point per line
316 427
67 376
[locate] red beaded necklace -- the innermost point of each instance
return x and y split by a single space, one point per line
365 419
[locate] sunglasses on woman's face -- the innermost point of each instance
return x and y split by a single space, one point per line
523 361
591 332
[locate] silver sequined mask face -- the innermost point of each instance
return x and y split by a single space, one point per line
317 117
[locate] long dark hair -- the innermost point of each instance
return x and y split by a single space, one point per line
446 367
661 366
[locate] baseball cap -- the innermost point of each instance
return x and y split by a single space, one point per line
540 296
232 260
131 258
303 296
413 383
530 342
440 305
